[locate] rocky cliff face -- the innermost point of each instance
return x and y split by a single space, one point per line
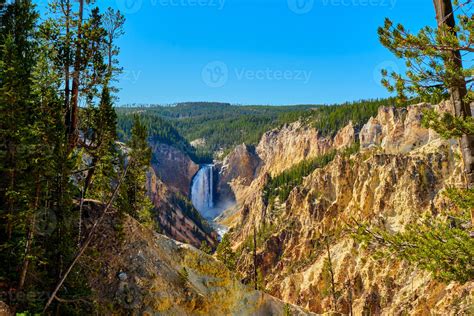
278 150
281 148
396 178
345 137
176 216
174 167
397 130
240 166
144 273
169 183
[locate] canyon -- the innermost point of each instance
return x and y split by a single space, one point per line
396 178
222 187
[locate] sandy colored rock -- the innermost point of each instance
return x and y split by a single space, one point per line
345 137
397 178
241 166
174 167
281 148
166 277
397 130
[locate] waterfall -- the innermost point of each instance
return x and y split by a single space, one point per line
202 191
202 197
210 176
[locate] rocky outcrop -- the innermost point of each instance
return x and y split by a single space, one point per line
278 150
239 166
176 216
345 137
199 142
174 167
140 272
396 179
242 163
281 148
397 130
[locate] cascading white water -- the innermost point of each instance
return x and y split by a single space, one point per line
202 196
202 191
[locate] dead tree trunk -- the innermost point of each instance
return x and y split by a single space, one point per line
29 238
66 8
331 272
255 257
349 297
72 128
458 91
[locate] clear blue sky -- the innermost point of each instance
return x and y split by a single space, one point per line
258 51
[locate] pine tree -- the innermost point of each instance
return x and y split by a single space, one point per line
72 116
31 142
434 60
2 11
225 253
113 25
101 139
76 30
328 276
205 247
134 199
17 61
37 195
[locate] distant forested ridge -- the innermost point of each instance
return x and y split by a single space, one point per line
329 119
222 126
159 130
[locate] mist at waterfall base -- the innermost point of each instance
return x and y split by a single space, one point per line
202 197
